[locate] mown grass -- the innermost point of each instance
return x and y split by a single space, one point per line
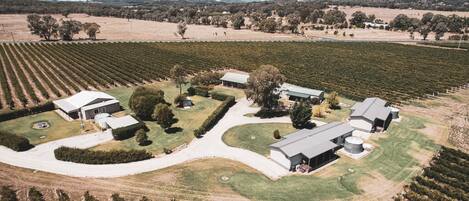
256 137
188 120
59 128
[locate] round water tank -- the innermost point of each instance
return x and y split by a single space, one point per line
353 145
394 112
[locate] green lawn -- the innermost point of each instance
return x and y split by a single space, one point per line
238 93
189 120
337 115
255 137
59 127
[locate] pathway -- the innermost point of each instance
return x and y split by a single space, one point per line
211 145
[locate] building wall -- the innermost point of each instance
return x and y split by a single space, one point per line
361 124
89 114
278 156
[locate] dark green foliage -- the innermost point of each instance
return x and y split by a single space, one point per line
141 137
164 116
14 142
219 96
276 134
88 197
5 116
213 119
35 195
127 132
179 100
62 195
271 113
116 197
191 91
8 194
143 101
300 115
100 157
201 91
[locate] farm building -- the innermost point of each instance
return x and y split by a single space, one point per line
87 104
314 148
295 93
235 79
370 115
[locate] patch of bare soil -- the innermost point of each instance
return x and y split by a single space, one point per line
377 187
158 185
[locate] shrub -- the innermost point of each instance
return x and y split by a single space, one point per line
5 116
200 91
277 134
14 142
143 101
270 113
213 119
8 194
333 100
100 157
127 132
336 32
62 195
164 116
88 197
352 35
144 198
191 91
141 137
35 195
167 151
219 96
116 197
179 99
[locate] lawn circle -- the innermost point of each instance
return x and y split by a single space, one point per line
41 125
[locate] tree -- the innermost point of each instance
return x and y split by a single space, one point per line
143 101
35 195
455 24
91 29
237 20
333 100
141 137
62 195
66 12
315 15
440 30
88 197
116 197
164 116
178 75
262 85
144 199
293 20
358 19
300 115
401 22
276 134
268 25
45 26
182 28
178 101
427 18
424 30
8 194
334 16
69 28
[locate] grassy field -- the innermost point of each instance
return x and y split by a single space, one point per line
357 70
59 128
238 93
463 45
255 137
189 119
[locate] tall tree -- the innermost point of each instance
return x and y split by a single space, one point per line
427 18
358 19
143 101
237 20
401 22
45 27
69 28
178 74
262 85
35 195
91 29
182 28
334 16
268 25
424 30
300 115
293 20
440 30
164 116
455 24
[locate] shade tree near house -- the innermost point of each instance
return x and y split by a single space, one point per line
143 101
300 115
163 115
178 74
262 85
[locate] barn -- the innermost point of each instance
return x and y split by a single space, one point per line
87 104
235 79
371 115
313 147
293 92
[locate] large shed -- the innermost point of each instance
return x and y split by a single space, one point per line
86 104
314 147
235 79
370 114
295 93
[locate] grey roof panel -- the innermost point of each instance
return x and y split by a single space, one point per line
297 89
235 77
319 149
371 109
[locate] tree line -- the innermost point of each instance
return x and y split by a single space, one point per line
48 28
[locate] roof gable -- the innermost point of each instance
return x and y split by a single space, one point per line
371 109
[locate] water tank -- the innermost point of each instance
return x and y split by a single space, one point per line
394 112
353 145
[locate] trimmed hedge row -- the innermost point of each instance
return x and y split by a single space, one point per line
213 119
100 157
219 96
14 142
5 116
199 91
126 132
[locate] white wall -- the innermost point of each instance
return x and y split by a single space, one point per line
280 158
361 124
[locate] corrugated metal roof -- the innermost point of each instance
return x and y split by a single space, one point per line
98 105
371 109
81 99
300 90
235 77
120 122
310 142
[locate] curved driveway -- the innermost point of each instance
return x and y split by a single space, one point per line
211 145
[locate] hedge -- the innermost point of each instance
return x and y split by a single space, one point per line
201 91
100 157
219 96
5 116
126 132
14 142
213 119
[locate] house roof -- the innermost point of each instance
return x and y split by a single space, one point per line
120 122
299 91
313 142
371 109
235 77
81 99
98 105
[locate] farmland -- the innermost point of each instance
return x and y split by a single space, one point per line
33 73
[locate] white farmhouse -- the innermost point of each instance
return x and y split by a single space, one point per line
370 115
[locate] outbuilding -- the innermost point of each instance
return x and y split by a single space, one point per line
121 122
296 93
235 79
370 115
314 147
87 104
